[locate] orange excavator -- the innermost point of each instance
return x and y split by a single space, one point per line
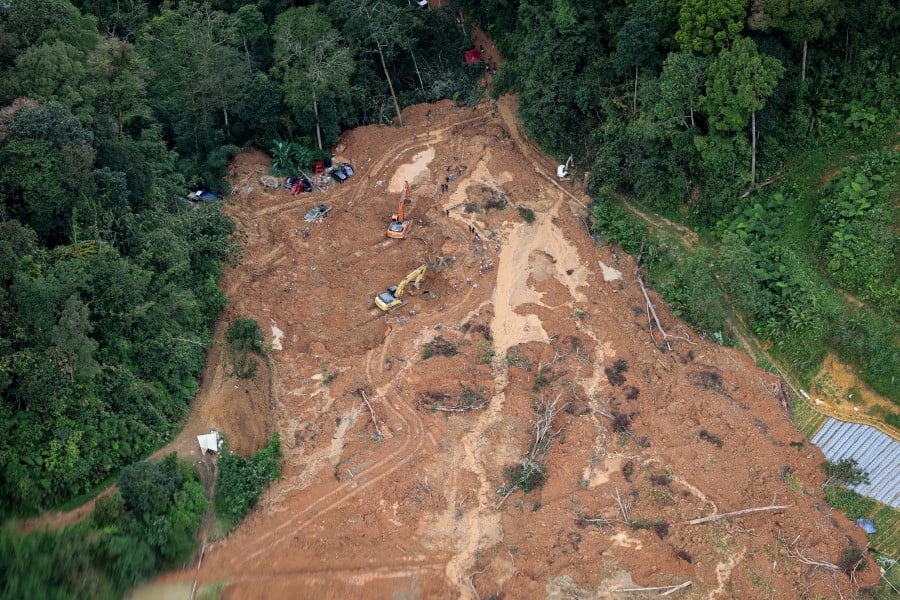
399 223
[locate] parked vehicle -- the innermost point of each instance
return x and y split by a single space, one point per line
317 213
342 172
339 175
298 184
203 196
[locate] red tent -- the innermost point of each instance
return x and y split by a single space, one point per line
472 56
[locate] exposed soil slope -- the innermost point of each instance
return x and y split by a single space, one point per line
403 501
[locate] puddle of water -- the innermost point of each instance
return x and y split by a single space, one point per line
413 171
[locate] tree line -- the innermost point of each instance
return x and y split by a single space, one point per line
767 125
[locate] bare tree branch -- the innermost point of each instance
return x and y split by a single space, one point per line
372 412
624 508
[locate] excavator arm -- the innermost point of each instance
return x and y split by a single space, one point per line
399 225
403 198
415 278
392 297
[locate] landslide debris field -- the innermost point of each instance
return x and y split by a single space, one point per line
401 430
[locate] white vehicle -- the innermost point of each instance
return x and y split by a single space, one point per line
562 171
317 213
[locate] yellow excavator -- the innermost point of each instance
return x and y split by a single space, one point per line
399 224
393 296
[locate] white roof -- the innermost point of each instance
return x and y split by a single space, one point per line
209 442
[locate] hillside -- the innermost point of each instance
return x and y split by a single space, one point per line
401 431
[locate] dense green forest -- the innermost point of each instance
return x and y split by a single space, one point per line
769 126
146 525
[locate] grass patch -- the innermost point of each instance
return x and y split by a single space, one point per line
854 505
807 420
487 352
886 539
515 358
792 481
661 496
244 339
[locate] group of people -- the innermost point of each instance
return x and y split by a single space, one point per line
490 67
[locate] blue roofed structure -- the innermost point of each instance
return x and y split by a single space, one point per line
875 452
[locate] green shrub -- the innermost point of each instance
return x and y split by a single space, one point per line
241 482
615 225
657 526
244 338
526 213
526 475
132 533
845 471
849 502
516 358
487 352
439 346
853 559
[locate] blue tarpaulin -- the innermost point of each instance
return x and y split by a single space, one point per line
867 524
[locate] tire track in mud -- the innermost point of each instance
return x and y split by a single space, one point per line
355 576
414 426
415 432
415 438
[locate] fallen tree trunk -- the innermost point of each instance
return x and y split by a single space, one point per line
736 513
372 412
665 590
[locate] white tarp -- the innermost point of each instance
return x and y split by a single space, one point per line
209 442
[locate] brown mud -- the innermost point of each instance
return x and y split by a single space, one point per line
405 503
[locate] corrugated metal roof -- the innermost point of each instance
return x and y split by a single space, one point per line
875 452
